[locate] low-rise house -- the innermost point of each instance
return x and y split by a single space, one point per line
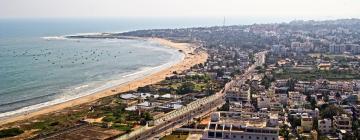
306 122
238 94
324 66
348 109
296 99
170 106
263 102
128 96
342 122
283 99
313 113
281 83
325 126
276 106
142 106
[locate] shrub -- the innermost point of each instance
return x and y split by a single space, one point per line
109 119
186 88
10 132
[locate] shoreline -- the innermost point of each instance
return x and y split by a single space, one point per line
151 78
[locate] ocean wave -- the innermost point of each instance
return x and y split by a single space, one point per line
87 89
135 75
90 33
85 34
80 87
65 37
54 38
96 33
26 100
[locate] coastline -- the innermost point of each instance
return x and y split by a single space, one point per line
187 62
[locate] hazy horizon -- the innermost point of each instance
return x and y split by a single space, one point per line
280 9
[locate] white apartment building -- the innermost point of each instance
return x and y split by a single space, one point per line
238 94
342 122
263 102
242 126
324 126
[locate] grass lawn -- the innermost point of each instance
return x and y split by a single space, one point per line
122 127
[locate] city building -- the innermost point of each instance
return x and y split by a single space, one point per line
242 126
337 48
324 126
342 122
306 122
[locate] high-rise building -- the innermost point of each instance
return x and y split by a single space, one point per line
337 48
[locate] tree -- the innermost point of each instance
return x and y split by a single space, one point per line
284 131
326 98
225 107
210 88
10 132
147 116
109 119
315 124
349 136
247 81
313 103
327 58
120 115
291 84
265 65
252 58
121 119
146 88
294 121
330 111
258 67
201 65
186 88
220 73
338 95
266 81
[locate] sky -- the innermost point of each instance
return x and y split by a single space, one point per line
313 9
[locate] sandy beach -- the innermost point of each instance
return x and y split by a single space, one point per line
191 58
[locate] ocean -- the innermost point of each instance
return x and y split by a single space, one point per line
39 67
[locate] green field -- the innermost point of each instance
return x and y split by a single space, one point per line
311 75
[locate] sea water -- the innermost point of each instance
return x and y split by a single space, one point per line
39 67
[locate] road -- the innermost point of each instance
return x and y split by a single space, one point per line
259 61
179 117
